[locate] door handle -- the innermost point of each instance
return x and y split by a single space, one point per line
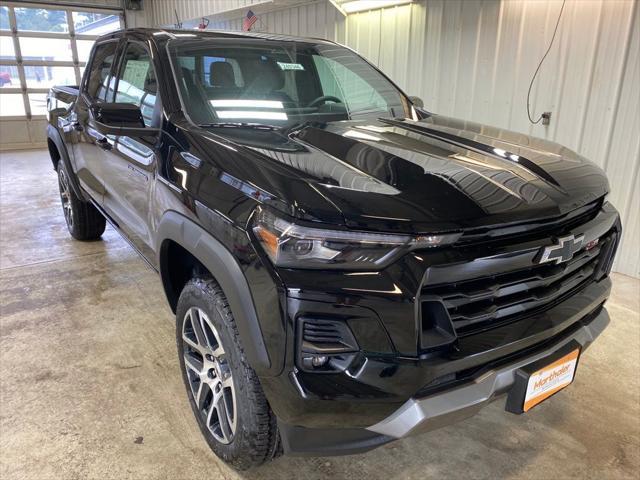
104 143
77 126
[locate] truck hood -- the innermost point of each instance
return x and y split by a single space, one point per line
435 174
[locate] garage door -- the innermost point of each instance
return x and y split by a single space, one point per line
41 47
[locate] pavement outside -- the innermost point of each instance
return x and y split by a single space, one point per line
90 385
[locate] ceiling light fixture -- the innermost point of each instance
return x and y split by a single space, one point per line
363 5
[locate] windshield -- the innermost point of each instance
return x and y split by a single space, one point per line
278 83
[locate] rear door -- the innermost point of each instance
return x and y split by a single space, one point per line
88 145
130 163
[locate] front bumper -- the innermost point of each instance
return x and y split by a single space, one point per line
418 415
375 385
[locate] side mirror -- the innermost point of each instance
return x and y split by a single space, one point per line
417 101
120 119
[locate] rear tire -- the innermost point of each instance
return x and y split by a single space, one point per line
84 220
215 371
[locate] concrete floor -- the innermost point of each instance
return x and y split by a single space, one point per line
90 385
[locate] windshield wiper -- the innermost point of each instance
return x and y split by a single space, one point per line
299 126
255 126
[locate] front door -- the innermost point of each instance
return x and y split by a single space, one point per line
130 163
88 145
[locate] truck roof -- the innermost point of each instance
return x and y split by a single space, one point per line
154 33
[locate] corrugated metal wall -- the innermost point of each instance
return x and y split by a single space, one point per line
164 11
316 19
474 59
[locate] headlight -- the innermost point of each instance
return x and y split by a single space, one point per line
293 246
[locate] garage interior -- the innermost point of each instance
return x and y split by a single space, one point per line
89 378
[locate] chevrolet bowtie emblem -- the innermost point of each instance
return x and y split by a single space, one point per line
562 251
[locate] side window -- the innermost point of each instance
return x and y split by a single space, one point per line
97 85
137 82
346 84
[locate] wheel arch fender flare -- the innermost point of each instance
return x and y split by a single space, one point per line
225 270
54 135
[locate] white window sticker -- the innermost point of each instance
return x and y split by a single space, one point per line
135 72
290 66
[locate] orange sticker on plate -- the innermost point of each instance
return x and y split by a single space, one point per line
550 379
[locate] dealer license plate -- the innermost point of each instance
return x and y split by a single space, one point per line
550 379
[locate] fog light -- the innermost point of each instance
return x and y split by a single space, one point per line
319 360
312 362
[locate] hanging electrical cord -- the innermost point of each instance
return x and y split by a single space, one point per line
540 65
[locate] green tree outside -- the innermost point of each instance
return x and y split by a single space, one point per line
35 19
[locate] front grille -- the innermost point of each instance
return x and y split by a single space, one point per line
451 380
487 301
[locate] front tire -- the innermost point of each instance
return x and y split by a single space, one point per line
224 391
84 221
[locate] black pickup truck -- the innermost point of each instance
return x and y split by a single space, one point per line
346 268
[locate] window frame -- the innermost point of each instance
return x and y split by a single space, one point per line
70 35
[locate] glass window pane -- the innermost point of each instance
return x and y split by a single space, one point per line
41 20
9 76
285 78
230 74
11 104
45 49
84 49
38 102
97 87
4 18
137 81
45 77
344 81
89 23
6 48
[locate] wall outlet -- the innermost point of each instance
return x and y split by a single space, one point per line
546 118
